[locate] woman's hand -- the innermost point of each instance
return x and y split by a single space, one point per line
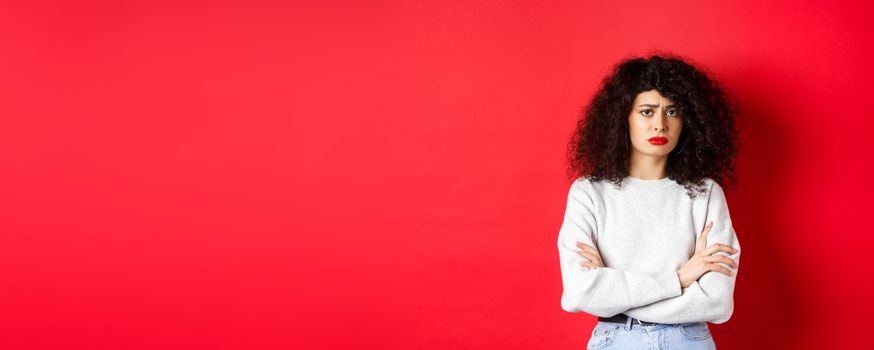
704 260
590 253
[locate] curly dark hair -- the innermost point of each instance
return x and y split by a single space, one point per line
708 142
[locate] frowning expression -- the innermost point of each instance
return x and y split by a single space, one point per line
654 124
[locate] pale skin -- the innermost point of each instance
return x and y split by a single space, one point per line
654 115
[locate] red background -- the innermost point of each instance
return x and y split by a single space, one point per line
256 174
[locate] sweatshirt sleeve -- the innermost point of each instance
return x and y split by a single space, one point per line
711 297
604 291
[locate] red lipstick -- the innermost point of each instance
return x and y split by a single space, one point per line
658 140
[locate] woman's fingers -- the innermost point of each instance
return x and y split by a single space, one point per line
592 256
588 248
702 239
718 268
587 263
721 259
589 255
719 247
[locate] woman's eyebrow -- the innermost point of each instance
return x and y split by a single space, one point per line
652 105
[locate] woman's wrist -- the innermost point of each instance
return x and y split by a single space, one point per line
682 285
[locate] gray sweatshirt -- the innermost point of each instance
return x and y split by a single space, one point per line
645 232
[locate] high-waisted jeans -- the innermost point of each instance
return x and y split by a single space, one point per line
660 336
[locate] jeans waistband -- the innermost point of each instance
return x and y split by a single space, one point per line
623 318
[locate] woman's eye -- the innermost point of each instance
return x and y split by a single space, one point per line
672 112
646 112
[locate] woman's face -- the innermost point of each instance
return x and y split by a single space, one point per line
654 124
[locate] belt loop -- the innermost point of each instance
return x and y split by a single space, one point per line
627 323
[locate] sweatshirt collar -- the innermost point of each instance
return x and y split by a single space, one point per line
636 182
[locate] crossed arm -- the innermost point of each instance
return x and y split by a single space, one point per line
649 296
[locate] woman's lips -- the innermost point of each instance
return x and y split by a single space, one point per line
658 140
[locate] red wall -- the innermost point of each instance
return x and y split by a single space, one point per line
257 174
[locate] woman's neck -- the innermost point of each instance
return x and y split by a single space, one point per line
647 167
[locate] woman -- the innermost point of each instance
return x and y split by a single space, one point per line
647 243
